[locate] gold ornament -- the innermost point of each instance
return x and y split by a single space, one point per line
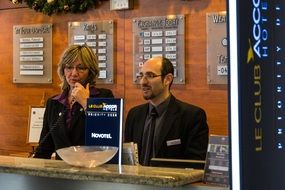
66 7
50 1
15 1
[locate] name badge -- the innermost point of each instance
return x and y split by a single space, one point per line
173 142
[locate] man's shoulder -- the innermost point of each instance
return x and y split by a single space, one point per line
187 106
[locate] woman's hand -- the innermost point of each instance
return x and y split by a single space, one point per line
80 94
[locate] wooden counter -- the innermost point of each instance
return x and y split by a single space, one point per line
31 173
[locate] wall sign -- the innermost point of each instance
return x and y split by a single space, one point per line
36 117
257 98
99 36
32 53
217 59
159 36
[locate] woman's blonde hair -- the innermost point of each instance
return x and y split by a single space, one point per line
88 59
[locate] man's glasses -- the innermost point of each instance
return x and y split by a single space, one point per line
147 76
78 68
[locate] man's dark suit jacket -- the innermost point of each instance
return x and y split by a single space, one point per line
183 135
61 136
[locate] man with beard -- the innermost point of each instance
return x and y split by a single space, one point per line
180 129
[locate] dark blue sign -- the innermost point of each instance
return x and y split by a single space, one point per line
104 124
261 73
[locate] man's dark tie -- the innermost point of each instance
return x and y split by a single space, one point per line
147 145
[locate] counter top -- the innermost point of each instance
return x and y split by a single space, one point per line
155 176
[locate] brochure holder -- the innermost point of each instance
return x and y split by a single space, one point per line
217 161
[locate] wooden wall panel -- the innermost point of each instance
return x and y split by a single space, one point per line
16 98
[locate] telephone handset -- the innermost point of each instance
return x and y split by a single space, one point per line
83 83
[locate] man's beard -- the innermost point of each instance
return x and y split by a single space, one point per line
149 97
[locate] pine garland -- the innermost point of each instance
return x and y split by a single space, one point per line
50 7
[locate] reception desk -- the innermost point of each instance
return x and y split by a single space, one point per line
18 173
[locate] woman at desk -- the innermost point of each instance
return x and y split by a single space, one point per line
64 117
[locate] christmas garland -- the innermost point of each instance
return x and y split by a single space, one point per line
50 7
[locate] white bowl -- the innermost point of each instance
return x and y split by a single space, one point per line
87 156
